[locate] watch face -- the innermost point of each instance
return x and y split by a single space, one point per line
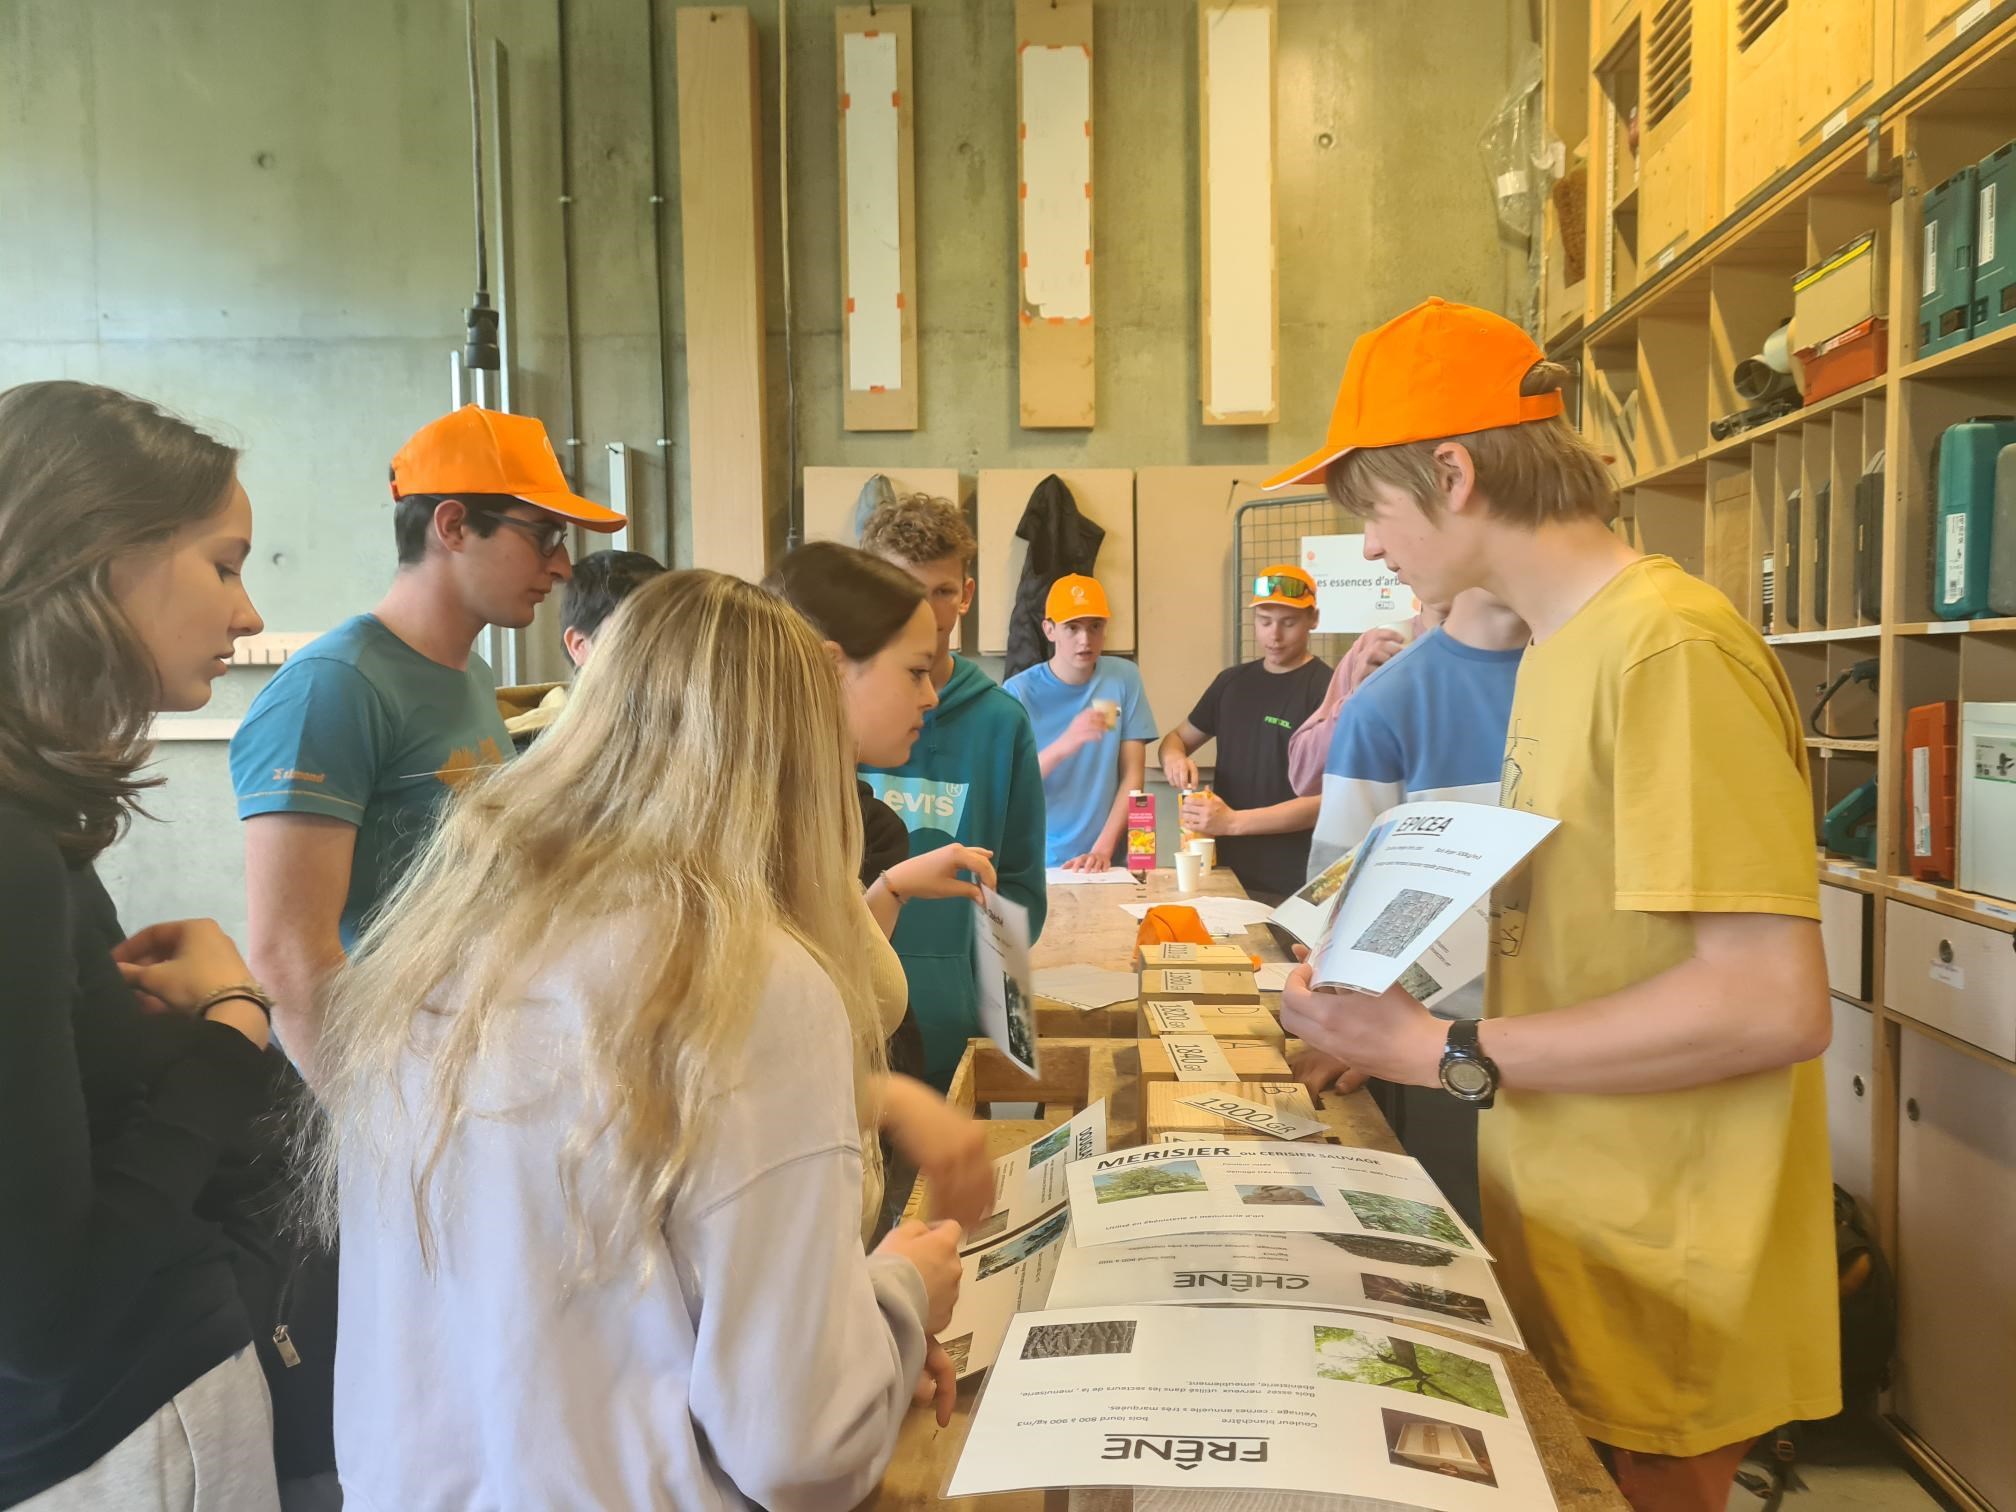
1466 1078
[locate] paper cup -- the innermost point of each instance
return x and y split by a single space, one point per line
1205 849
1189 871
1108 711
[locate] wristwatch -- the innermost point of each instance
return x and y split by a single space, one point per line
1467 1072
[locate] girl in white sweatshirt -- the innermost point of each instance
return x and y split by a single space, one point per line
590 1117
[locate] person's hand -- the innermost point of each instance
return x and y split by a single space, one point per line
175 966
1388 1035
1179 771
948 1147
1091 861
1208 814
1089 727
935 874
1321 1073
1381 646
934 1249
939 1385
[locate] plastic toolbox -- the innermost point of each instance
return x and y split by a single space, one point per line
1963 513
1995 242
1946 264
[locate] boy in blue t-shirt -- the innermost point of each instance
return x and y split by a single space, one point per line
1429 724
1092 724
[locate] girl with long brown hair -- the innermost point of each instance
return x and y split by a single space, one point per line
131 1069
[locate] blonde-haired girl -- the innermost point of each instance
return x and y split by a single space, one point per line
589 1110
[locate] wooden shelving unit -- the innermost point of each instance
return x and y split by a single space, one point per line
1812 122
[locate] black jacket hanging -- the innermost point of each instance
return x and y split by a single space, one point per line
1061 541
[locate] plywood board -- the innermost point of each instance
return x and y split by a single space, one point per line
1105 495
878 220
1184 560
1053 90
1240 288
832 492
721 221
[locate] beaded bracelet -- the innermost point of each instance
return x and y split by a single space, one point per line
244 991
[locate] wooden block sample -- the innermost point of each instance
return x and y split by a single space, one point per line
878 220
721 224
1053 174
1167 1113
1200 985
1183 953
1250 1060
1240 378
1252 1023
1104 495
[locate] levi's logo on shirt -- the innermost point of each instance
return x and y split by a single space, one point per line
920 802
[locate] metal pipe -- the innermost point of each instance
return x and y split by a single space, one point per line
794 503
659 211
570 448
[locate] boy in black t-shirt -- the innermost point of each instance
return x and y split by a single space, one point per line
1262 827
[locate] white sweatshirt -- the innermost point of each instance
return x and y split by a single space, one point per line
767 1361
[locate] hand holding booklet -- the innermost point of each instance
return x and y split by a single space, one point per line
1408 905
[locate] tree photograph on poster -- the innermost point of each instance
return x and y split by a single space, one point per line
1169 1180
1345 1354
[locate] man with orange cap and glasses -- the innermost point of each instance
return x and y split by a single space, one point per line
347 752
1654 1163
1092 723
1261 826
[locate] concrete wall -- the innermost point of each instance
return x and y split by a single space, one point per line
260 214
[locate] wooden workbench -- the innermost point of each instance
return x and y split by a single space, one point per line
1101 1060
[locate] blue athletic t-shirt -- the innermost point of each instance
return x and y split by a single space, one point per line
359 726
1078 795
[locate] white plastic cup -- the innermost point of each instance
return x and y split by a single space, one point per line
1189 871
1205 849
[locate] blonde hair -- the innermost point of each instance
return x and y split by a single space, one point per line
920 528
698 779
1538 473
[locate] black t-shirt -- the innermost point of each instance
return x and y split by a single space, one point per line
117 1283
1251 712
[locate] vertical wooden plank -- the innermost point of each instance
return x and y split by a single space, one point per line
878 212
1055 368
1238 332
721 228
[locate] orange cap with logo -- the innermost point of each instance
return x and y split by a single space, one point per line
1075 597
490 452
1286 584
1439 370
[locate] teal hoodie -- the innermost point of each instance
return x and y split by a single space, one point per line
972 777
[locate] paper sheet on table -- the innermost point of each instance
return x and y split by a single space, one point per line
1422 867
1379 1274
1029 1182
1210 1188
1266 1399
995 1283
1086 987
1113 876
1226 918
1001 971
1272 975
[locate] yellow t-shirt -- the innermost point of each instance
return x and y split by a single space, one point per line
1670 1255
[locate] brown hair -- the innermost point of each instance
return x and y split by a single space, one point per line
87 475
857 601
920 528
1538 473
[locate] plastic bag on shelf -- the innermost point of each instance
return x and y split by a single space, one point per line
1520 161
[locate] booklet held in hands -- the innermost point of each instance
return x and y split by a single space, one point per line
1423 867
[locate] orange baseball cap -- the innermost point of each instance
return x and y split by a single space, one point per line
1075 597
487 451
1286 584
1441 369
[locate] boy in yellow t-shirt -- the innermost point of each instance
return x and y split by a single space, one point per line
1654 1168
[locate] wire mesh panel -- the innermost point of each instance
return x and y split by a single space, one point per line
1267 532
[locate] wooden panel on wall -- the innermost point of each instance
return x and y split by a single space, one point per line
832 492
721 228
1837 64
1053 156
878 220
1183 561
1105 495
1240 377
1760 124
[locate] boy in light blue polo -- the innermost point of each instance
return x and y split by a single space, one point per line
1092 724
1429 724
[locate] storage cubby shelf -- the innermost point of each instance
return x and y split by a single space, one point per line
1990 356
1810 637
1960 627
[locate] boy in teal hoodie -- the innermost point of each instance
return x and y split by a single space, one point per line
972 777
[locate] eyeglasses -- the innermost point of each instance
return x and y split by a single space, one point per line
1281 585
546 536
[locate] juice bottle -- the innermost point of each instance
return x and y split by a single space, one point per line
1140 834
